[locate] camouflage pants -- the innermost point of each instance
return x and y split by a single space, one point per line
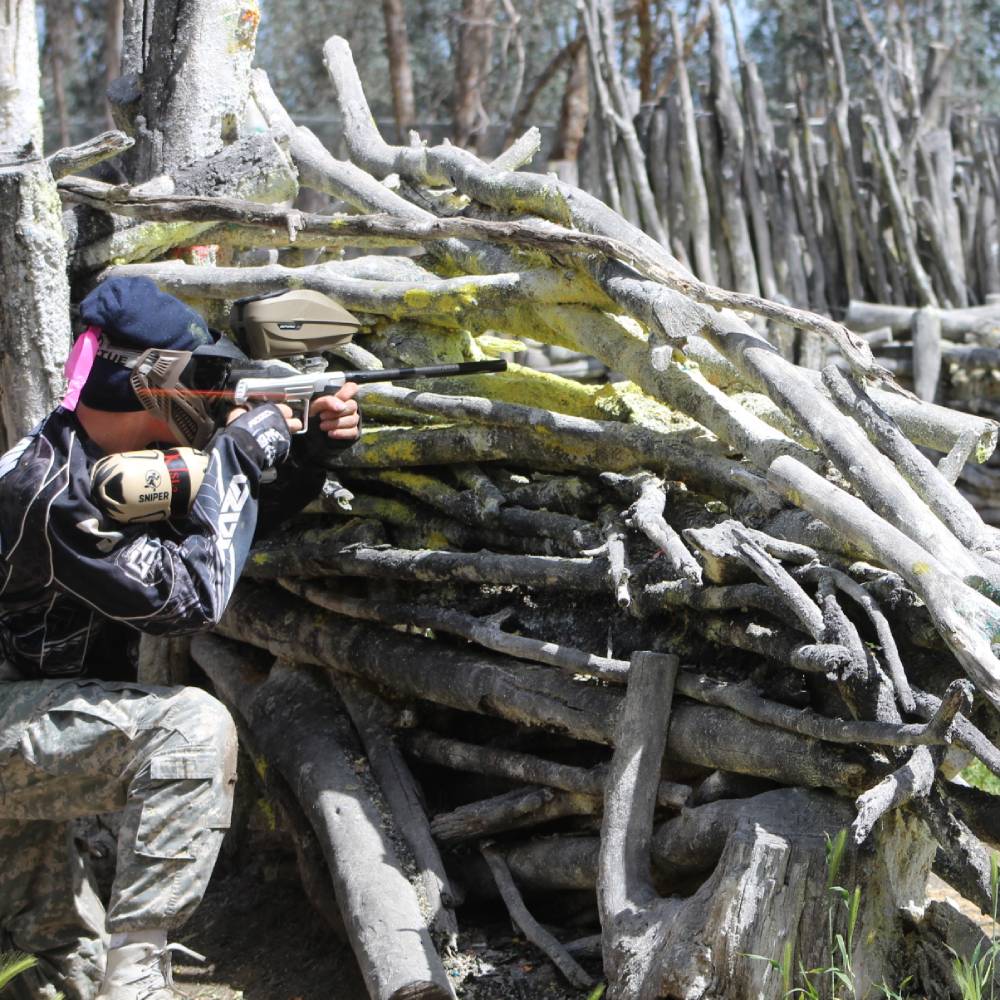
165 757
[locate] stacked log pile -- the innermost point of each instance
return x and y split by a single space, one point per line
944 355
886 190
657 638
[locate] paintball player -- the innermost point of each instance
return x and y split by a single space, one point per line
73 743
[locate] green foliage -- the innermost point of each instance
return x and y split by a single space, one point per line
979 776
975 973
12 964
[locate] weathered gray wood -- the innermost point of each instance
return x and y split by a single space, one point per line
76 158
965 619
294 721
20 110
34 309
531 928
164 660
632 919
525 767
728 118
695 196
926 354
371 717
514 810
184 97
523 693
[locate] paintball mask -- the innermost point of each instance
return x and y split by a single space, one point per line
191 389
184 389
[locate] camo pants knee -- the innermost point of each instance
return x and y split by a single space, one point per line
165 757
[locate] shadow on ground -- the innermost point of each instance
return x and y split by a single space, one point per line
263 941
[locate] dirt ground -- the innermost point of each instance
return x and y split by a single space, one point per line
263 941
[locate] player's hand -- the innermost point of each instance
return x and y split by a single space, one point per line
338 414
293 422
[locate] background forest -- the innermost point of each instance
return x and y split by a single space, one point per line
480 67
824 153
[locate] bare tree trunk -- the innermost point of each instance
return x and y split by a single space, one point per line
696 196
20 118
59 22
575 107
397 47
647 50
113 50
184 97
472 64
729 122
34 309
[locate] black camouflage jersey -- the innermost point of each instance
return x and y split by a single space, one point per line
66 568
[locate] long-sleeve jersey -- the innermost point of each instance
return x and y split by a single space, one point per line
66 568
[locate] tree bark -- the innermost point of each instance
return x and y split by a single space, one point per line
472 64
397 47
34 314
184 98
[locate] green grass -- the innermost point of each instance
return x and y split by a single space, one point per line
974 973
977 775
12 964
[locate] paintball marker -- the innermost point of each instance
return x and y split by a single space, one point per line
298 324
296 389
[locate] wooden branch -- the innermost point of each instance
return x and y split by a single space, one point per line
294 722
966 620
962 861
318 560
514 810
486 632
371 718
524 693
613 529
523 767
646 515
567 443
955 323
74 158
772 573
454 302
546 237
625 891
932 487
572 531
531 928
882 629
912 780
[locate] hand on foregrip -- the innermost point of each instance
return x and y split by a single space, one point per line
337 414
264 433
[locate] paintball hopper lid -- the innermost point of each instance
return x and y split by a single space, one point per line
296 321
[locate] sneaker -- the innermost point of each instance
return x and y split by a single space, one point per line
141 971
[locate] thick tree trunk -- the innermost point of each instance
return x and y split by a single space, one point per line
473 57
184 97
20 117
397 48
34 309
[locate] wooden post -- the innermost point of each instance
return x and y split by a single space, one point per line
34 307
